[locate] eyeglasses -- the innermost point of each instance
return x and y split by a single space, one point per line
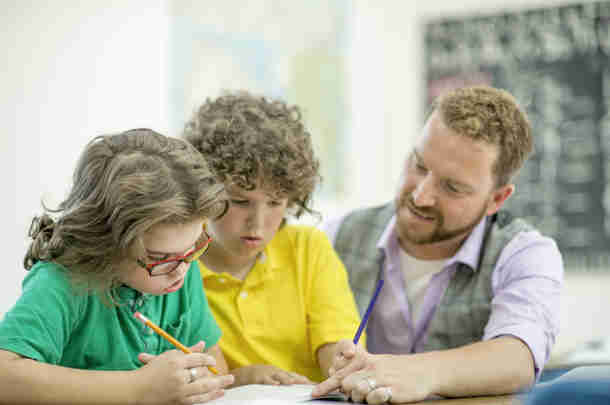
167 266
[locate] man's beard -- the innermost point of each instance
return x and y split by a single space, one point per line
439 234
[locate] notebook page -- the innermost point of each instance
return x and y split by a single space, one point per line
273 394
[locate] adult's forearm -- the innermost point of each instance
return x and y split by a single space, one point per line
25 381
498 366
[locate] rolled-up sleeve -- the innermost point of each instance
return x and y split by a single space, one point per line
526 286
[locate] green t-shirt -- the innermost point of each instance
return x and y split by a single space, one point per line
53 323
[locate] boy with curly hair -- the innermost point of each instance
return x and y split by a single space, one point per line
279 292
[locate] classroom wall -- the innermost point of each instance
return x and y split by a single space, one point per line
71 70
76 69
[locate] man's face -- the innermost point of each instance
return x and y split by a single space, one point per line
447 187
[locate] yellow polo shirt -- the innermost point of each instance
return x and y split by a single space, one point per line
295 299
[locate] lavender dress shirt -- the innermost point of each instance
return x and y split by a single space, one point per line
526 286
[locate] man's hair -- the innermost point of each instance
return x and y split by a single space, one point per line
493 116
123 185
251 141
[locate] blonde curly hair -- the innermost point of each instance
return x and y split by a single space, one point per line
123 184
248 139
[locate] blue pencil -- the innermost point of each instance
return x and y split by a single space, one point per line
365 318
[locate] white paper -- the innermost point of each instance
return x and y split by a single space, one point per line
273 394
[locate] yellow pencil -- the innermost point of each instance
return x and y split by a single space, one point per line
168 337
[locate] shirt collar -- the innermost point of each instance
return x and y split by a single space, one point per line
388 241
263 268
468 253
124 292
128 296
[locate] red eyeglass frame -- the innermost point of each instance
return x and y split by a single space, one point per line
186 258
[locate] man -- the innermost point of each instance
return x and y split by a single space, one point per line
470 303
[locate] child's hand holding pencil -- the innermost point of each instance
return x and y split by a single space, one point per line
190 376
349 357
168 337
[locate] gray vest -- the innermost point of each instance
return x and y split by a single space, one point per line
465 307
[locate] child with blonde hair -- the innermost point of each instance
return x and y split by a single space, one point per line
125 239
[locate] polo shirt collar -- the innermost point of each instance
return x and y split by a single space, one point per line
263 269
131 297
124 292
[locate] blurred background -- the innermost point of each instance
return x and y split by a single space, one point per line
363 73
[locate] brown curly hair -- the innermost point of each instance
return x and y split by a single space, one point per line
247 139
123 184
493 116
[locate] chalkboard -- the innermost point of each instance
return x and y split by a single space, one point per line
556 62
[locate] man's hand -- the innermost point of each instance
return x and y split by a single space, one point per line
267 374
391 378
378 379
